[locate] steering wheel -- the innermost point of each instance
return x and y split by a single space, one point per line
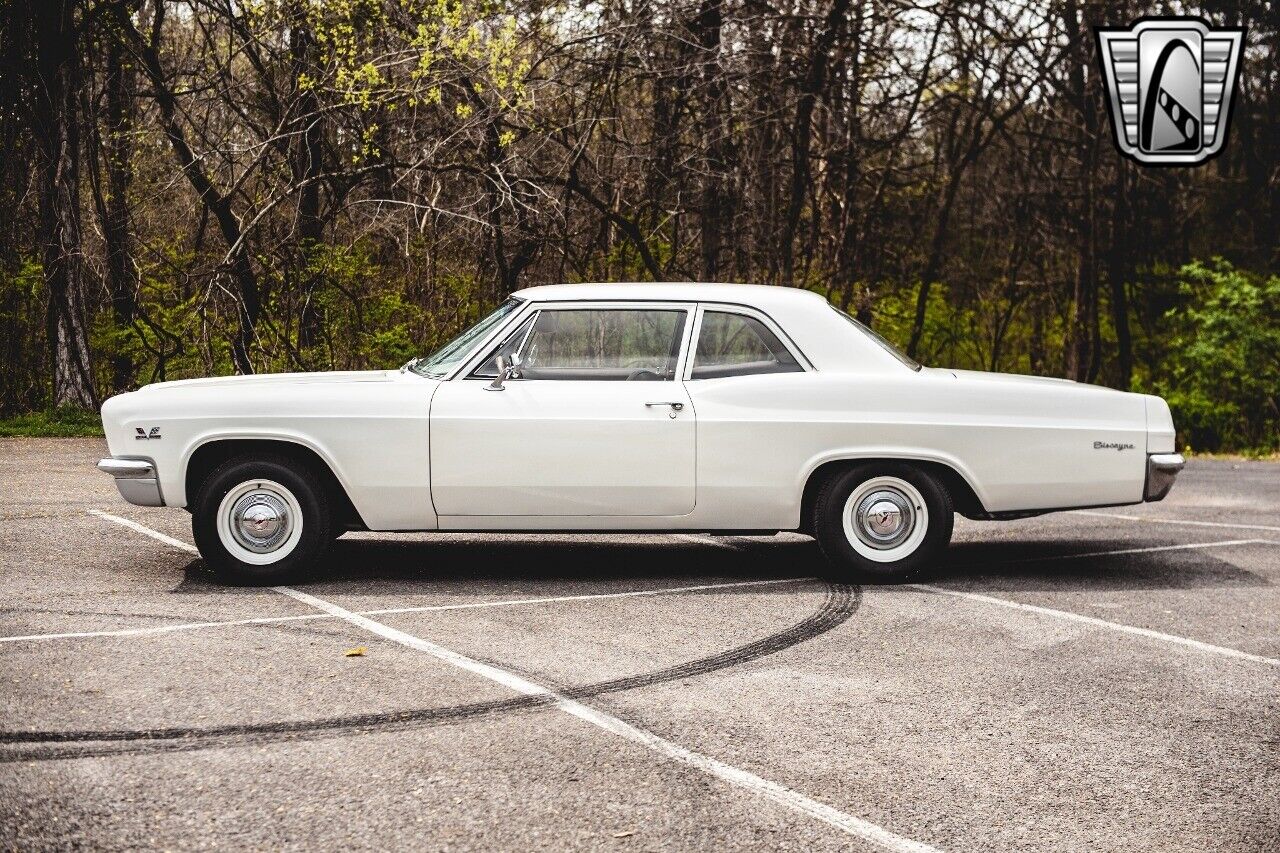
643 376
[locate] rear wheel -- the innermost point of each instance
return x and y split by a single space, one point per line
261 520
882 521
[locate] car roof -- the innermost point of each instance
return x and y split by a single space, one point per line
763 296
826 339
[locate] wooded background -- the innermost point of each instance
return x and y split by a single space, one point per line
194 187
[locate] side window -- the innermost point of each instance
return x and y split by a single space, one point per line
488 369
623 344
737 345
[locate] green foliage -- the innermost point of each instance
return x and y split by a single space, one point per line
460 55
28 280
168 338
1222 371
59 423
367 317
23 382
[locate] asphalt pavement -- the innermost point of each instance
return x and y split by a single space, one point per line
1098 680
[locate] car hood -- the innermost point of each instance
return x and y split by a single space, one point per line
341 377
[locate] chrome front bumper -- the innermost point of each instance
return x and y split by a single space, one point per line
1162 470
135 478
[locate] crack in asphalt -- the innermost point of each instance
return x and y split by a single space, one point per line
840 603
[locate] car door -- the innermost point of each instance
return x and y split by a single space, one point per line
596 423
743 376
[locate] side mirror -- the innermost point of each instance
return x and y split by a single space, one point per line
506 370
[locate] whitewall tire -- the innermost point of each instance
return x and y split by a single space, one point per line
261 520
882 521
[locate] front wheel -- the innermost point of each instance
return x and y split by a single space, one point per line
882 521
260 520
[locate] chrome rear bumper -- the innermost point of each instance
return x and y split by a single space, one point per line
1162 470
135 478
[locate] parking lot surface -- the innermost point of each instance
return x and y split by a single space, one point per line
1079 681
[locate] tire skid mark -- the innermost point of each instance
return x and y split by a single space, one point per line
840 603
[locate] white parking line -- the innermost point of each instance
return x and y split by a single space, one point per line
780 794
159 629
1089 620
1173 520
431 608
145 531
736 776
1153 549
1098 623
268 620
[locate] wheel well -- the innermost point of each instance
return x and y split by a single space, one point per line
962 494
209 456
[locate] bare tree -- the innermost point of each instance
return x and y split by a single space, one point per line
56 120
294 185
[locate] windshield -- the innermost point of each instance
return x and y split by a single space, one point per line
894 351
443 360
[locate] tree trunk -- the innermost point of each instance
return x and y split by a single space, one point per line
1036 348
760 199
814 80
308 165
1082 351
1119 272
933 265
121 282
56 125
713 203
850 194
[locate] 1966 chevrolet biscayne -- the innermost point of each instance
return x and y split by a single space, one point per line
657 407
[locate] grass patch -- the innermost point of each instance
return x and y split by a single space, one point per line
1235 456
55 423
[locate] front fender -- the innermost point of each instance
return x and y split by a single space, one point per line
178 492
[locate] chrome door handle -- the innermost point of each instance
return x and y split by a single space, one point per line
676 406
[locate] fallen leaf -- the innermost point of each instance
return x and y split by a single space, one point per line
357 652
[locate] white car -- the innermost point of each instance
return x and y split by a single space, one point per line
624 407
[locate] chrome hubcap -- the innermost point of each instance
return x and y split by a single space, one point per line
260 521
884 518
